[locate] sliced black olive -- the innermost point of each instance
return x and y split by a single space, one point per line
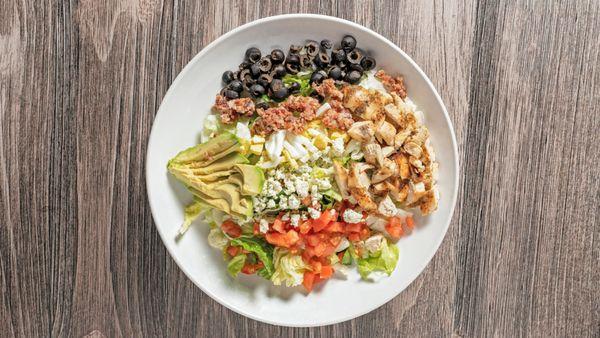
338 55
293 59
264 80
255 70
322 60
277 56
312 48
318 77
294 87
231 94
348 43
354 56
245 65
278 90
326 44
342 64
305 61
236 85
336 73
292 68
353 77
248 82
367 63
276 84
356 67
265 64
278 72
257 90
227 76
295 49
253 54
262 105
244 74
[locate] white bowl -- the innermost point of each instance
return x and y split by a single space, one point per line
177 126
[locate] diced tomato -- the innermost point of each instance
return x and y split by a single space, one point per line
353 237
321 222
308 281
324 249
316 266
364 233
313 240
305 227
232 229
410 222
341 255
278 225
395 233
326 271
394 227
233 251
252 268
285 240
353 227
395 222
256 228
335 240
335 227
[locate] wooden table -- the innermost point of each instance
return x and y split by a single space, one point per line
81 81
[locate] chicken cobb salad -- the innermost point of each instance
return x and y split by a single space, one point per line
312 162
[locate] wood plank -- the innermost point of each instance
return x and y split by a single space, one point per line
525 251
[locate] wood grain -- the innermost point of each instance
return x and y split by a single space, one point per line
81 81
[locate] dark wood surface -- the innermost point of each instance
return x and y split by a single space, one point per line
81 81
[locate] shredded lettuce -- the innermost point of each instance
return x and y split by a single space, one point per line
236 264
303 79
384 259
191 213
262 249
266 98
347 258
215 217
217 239
289 269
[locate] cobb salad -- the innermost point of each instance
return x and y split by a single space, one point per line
312 162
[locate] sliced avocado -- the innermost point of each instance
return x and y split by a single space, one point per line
254 178
222 195
231 193
210 151
216 176
181 170
218 203
224 163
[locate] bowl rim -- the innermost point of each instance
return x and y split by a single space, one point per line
224 37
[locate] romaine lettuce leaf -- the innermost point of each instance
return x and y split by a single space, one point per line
262 249
384 259
236 264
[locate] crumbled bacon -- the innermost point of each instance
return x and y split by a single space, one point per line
392 84
231 110
327 89
306 106
337 117
284 116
